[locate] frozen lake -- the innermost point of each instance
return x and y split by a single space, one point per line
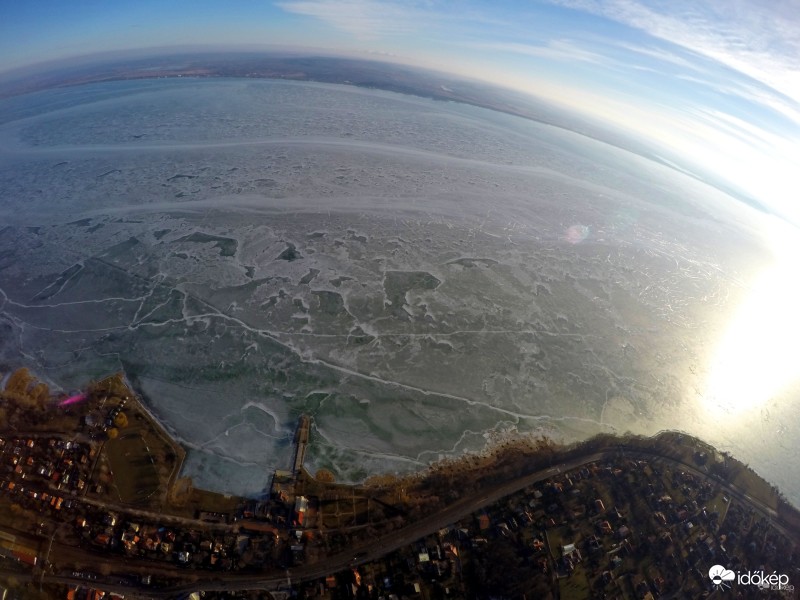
416 275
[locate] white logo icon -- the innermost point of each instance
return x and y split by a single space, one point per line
720 576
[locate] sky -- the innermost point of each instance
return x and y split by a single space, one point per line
715 82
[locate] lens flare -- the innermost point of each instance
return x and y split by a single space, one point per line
575 234
73 400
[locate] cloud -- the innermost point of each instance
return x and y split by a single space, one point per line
752 91
374 19
560 50
717 83
658 54
365 19
758 39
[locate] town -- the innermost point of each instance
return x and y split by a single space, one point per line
92 505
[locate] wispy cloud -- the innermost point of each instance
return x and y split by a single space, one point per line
374 19
365 19
559 50
716 83
758 39
657 54
751 91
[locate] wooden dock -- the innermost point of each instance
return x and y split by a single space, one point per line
301 443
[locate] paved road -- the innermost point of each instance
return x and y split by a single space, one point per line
376 549
455 512
732 490
158 517
382 546
464 507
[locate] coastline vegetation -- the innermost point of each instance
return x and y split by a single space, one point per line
27 405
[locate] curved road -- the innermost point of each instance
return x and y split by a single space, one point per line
379 547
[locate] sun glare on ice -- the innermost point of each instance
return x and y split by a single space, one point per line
758 355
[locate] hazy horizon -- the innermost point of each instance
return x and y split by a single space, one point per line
719 87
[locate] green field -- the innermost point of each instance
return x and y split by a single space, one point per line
133 466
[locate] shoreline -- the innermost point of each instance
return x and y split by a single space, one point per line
323 524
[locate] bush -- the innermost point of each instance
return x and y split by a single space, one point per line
121 420
325 476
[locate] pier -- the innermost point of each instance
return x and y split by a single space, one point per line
301 443
284 482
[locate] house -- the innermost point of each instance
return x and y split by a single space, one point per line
542 562
300 509
570 552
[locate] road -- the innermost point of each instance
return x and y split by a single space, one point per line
382 546
378 548
732 490
458 510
